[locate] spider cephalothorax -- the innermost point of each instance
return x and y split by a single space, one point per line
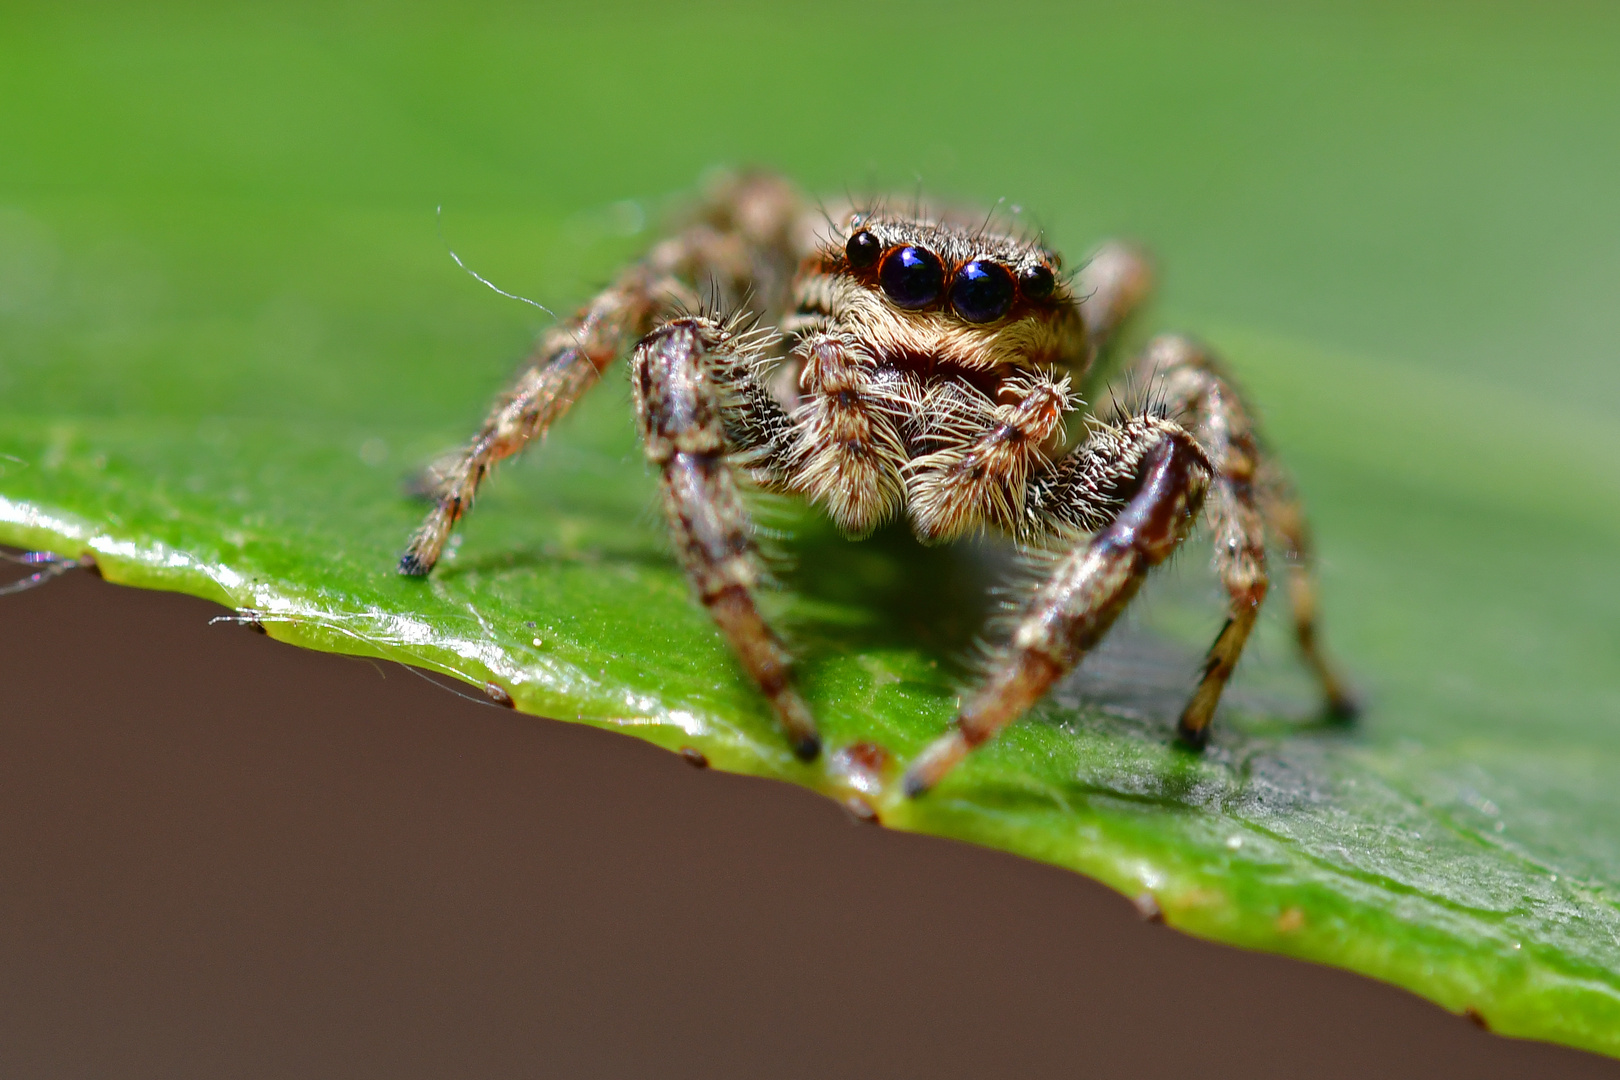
927 365
910 337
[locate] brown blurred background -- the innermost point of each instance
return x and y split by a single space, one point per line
226 857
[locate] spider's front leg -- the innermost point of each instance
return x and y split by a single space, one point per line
567 362
1250 493
741 242
685 374
1161 475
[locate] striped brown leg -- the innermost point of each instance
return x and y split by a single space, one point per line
1248 494
740 243
562 369
1112 284
679 372
1075 607
1286 519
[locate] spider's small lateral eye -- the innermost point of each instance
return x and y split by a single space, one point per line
1037 282
863 249
982 291
912 276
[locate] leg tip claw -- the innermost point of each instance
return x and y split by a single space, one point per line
1191 738
411 566
807 747
1342 708
914 786
933 763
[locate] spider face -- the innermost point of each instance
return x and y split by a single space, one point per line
935 295
981 289
922 264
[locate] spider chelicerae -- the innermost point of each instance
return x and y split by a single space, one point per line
881 362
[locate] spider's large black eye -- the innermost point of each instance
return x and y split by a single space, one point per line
912 276
1037 282
863 249
982 291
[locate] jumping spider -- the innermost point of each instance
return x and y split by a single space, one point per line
924 363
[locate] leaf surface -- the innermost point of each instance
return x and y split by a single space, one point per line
228 330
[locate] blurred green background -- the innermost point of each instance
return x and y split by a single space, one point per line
228 324
1429 184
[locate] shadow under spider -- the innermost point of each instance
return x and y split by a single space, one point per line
1138 680
942 600
934 598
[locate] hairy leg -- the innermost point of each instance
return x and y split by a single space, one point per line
1286 519
682 372
741 241
1112 284
1249 494
848 448
1167 474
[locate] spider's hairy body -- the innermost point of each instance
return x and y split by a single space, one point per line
893 398
926 365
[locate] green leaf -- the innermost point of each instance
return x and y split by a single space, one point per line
228 330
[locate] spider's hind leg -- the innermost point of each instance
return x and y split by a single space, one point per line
685 375
1250 493
1286 520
